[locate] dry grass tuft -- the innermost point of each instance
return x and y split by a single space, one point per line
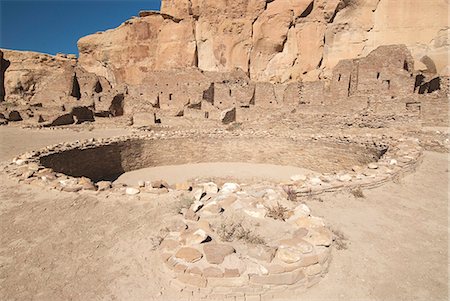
291 194
357 193
157 240
339 239
278 212
233 231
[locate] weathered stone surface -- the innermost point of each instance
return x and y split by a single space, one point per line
191 215
216 253
176 225
191 237
192 280
212 272
160 184
278 41
4 64
289 254
313 270
292 250
260 252
320 236
194 270
211 209
287 278
196 206
144 119
309 222
86 184
183 186
210 188
345 178
372 166
103 185
229 188
132 191
189 254
152 42
169 244
229 273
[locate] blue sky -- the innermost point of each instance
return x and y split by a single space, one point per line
53 26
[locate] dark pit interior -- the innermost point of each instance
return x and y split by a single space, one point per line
108 162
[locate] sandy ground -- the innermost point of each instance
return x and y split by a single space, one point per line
62 246
246 172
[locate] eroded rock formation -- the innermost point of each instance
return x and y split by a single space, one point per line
51 89
276 41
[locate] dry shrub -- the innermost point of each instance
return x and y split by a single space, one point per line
357 193
291 194
339 239
233 231
278 212
157 240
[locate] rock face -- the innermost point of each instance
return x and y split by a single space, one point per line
359 28
4 64
153 42
54 90
276 41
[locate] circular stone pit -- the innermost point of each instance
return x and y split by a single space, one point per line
340 162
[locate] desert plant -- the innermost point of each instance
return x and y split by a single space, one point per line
233 231
291 194
157 240
278 212
339 239
357 193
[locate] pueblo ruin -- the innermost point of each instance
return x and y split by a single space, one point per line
231 150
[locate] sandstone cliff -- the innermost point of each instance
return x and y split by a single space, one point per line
276 41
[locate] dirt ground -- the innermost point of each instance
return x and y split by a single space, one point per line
63 246
232 171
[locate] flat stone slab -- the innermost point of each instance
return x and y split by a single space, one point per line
189 254
216 253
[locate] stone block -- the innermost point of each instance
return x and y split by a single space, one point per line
169 244
288 278
320 236
231 273
229 282
212 272
260 252
216 253
192 280
313 270
189 254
